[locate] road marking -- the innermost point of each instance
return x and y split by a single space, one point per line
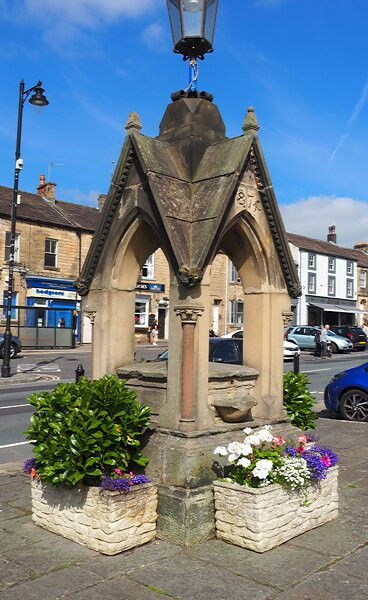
317 392
14 406
317 370
17 444
35 368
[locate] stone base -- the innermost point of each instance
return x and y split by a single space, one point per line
185 467
109 522
260 519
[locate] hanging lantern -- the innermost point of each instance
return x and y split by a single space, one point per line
193 26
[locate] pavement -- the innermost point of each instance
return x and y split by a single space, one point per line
327 563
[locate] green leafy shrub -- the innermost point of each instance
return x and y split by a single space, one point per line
82 431
298 401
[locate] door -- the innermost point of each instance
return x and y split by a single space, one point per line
161 323
216 316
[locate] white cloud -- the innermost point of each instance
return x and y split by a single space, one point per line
154 35
75 195
313 216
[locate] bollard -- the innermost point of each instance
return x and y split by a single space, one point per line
296 363
79 372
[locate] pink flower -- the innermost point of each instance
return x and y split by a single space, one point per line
301 449
302 439
325 460
118 472
278 440
33 473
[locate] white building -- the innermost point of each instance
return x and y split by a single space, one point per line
328 275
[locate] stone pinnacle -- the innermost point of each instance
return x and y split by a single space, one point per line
133 123
250 121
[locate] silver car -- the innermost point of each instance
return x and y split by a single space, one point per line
304 335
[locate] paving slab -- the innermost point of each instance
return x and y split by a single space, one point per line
354 565
329 585
190 579
9 541
120 588
11 573
24 527
51 587
268 568
111 566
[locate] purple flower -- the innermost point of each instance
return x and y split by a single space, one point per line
289 451
334 458
28 465
122 484
316 466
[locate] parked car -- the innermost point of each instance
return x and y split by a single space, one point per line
347 393
229 351
355 334
15 346
291 348
304 335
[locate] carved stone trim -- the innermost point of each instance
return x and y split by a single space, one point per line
189 314
91 314
287 317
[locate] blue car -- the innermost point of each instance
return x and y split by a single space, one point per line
347 393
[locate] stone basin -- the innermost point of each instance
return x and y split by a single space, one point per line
230 388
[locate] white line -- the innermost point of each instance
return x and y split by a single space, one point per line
17 444
317 370
14 406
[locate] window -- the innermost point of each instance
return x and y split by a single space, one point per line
7 247
226 353
236 312
332 286
51 253
14 302
363 279
148 268
350 288
332 265
349 267
311 261
311 283
141 313
234 275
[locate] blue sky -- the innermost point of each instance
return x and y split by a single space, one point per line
301 63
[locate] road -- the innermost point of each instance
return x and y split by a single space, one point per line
15 410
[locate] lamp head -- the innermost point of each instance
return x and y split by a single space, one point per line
38 98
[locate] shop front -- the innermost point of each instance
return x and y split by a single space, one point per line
150 307
341 312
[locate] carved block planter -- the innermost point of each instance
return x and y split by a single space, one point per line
107 521
260 519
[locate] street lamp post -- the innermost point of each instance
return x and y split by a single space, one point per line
37 99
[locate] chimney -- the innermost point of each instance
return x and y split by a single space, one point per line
46 189
101 201
331 236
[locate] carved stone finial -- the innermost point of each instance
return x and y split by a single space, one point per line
250 121
134 122
190 275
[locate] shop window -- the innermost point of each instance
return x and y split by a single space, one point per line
14 302
332 286
234 275
311 283
51 248
363 279
349 267
7 247
236 312
141 313
312 261
148 268
350 288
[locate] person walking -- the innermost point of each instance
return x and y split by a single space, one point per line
154 334
317 341
324 341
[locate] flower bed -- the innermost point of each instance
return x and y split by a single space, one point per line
274 491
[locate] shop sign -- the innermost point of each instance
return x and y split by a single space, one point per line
150 287
49 293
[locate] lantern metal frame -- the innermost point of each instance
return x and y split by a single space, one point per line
196 46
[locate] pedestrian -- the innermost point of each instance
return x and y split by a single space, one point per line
154 334
324 341
317 341
61 322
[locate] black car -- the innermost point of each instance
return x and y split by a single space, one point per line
221 350
355 334
15 346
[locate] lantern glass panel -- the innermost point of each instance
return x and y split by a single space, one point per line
175 19
211 12
192 18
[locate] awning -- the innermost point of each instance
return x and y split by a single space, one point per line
338 308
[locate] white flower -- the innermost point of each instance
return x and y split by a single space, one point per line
233 457
243 462
264 435
254 439
262 468
248 430
294 472
246 449
221 450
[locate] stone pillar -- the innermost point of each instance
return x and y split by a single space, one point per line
263 349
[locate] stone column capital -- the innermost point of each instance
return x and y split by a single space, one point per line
287 316
91 315
190 313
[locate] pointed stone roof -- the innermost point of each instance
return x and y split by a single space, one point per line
192 170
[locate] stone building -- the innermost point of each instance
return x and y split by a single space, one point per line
52 240
362 281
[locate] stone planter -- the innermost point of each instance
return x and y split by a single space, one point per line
260 519
109 522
